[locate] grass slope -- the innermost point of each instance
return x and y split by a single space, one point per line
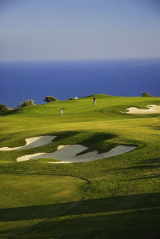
109 198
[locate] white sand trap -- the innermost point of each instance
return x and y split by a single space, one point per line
32 143
61 147
68 154
151 109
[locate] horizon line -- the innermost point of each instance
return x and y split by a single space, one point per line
78 60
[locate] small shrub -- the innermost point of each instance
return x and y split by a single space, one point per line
27 103
73 98
49 99
146 94
3 108
70 99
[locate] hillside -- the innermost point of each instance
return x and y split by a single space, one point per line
111 198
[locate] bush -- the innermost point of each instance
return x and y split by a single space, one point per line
49 99
27 103
3 108
70 99
73 98
146 94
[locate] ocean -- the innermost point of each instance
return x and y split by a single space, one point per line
35 80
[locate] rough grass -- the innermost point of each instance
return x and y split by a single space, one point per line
109 198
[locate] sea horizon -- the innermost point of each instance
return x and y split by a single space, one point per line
21 80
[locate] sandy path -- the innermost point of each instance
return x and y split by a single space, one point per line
32 143
68 154
151 109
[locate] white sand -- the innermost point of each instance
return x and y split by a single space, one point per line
151 109
61 147
68 154
32 143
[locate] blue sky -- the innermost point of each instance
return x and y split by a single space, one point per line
79 29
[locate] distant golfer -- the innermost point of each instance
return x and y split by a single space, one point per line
94 100
62 111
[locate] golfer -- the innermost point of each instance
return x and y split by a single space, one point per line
94 100
62 111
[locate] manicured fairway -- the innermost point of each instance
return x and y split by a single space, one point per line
117 197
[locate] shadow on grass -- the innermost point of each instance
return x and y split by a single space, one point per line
92 140
155 160
98 141
142 167
133 216
84 207
145 177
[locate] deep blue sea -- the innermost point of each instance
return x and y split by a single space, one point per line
35 80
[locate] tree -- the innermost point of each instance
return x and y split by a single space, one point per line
27 103
146 94
3 108
49 99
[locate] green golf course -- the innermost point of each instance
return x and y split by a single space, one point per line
109 198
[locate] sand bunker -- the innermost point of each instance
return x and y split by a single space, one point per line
151 109
68 154
32 143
